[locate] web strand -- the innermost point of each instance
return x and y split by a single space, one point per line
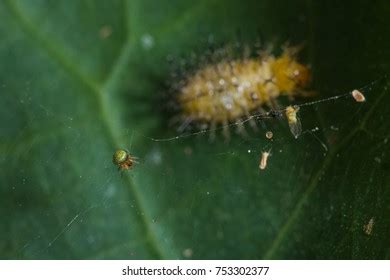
269 115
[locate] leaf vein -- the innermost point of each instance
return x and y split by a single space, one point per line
55 52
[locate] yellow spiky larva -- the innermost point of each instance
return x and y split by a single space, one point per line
232 89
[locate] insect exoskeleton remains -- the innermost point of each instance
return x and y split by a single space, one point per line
263 159
233 89
269 134
358 96
369 226
293 120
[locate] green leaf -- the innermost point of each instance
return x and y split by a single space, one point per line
80 79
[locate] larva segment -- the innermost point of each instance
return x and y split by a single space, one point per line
225 92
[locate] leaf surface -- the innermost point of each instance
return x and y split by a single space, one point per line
80 79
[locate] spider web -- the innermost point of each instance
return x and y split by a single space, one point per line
321 195
254 144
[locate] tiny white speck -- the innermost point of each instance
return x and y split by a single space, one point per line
147 41
187 253
227 101
228 106
154 156
110 191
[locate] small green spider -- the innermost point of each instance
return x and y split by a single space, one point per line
123 159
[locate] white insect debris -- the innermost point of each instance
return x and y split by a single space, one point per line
358 96
293 120
147 41
269 134
187 253
368 227
263 160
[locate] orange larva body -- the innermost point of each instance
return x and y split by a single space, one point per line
230 90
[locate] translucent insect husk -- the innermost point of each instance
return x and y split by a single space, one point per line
263 160
293 120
